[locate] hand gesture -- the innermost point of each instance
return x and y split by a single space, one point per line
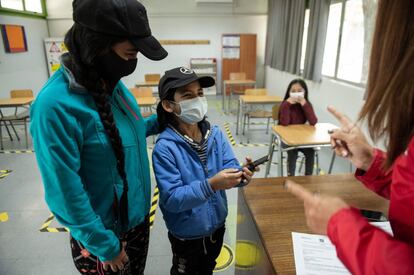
318 208
350 142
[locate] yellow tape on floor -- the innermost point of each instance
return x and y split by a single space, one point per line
229 135
17 152
154 205
45 227
4 217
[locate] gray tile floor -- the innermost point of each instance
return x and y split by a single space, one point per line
26 250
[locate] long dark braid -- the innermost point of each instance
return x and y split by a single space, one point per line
81 63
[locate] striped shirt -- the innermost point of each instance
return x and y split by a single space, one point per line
199 148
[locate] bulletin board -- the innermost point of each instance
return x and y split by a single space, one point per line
14 38
54 48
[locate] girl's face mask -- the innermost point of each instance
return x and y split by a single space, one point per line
193 110
297 94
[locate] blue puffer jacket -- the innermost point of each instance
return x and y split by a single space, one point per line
190 207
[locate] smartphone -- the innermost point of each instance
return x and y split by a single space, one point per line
254 164
373 216
257 162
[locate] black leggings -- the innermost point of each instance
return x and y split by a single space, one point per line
196 257
309 160
136 248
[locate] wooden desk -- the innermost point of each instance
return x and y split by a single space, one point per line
251 100
231 84
274 214
147 84
15 102
297 136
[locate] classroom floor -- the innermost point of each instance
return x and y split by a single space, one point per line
24 249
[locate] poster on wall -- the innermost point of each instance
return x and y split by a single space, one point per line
54 48
14 38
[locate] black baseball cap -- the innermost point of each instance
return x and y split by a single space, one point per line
122 18
180 77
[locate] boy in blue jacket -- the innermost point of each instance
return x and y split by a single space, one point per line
194 165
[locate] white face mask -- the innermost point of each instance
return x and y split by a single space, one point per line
193 110
297 94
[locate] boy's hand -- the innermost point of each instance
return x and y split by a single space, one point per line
225 179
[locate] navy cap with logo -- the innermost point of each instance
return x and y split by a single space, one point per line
180 77
121 18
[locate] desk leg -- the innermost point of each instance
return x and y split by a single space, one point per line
238 115
280 159
223 97
229 99
270 154
332 162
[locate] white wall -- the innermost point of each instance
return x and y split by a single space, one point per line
346 98
25 70
184 19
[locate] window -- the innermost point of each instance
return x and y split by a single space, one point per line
12 4
331 42
304 40
33 6
28 7
348 39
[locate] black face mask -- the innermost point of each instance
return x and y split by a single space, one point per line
112 67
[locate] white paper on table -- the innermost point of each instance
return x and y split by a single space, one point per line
316 255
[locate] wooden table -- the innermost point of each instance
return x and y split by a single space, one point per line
252 100
298 136
231 84
15 102
147 84
265 209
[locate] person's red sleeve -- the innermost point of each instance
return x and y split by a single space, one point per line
365 249
376 179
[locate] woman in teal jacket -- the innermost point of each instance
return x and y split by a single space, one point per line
90 138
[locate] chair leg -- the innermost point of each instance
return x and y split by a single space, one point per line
248 129
25 132
317 162
244 122
1 137
14 130
8 131
268 124
301 163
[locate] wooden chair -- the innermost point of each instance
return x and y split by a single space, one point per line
152 77
256 113
16 118
141 92
21 93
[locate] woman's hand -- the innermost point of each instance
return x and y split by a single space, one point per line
119 262
318 208
225 179
349 142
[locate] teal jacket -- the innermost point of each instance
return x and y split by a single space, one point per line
78 165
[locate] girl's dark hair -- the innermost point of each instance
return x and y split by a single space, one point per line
302 83
84 46
389 108
165 118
